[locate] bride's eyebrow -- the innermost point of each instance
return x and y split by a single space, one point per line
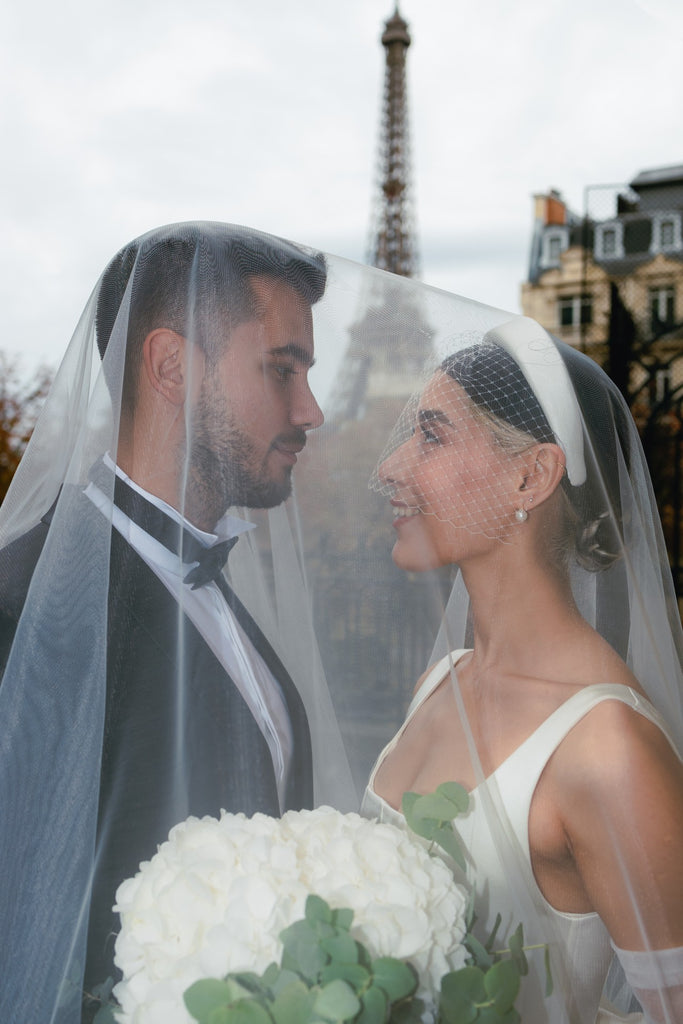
425 416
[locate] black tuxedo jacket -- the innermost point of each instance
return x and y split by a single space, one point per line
166 691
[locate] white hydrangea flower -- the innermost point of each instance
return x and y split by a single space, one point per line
218 893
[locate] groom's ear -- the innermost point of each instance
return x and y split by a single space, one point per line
171 366
542 472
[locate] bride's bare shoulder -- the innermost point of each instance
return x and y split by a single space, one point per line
613 750
587 659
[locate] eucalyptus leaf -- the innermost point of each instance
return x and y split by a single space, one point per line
494 931
364 958
301 951
424 827
407 803
293 1004
272 975
254 984
408 1011
461 994
456 794
281 980
336 1002
489 1015
549 985
502 985
356 976
103 990
341 947
470 912
317 909
246 1011
222 1015
105 1015
394 977
434 805
516 944
207 994
437 806
482 957
429 828
343 918
447 839
374 1004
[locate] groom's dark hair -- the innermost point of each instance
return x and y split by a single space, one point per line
187 276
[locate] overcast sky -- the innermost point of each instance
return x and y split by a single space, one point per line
119 117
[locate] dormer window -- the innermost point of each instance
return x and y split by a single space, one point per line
666 232
609 241
555 242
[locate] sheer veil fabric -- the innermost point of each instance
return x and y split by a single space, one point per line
123 707
518 462
130 697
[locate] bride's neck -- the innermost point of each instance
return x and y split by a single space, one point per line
518 606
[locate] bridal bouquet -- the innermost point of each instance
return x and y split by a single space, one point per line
218 896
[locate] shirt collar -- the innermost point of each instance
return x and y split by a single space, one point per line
227 526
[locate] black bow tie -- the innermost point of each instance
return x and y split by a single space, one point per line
167 531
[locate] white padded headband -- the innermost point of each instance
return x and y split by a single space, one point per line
537 356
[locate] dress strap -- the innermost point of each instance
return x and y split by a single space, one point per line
433 677
538 748
530 758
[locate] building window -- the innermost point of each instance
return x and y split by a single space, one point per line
662 384
554 244
661 308
609 241
666 233
554 248
574 310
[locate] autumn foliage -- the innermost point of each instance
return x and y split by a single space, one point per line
20 403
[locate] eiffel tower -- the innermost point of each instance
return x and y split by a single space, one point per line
392 242
390 342
373 649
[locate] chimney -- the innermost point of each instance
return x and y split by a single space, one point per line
550 208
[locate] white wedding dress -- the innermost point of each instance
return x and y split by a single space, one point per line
582 938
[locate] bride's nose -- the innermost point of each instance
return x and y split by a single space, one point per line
395 468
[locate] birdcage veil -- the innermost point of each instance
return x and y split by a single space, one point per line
515 388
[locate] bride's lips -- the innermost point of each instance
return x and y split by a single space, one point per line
402 512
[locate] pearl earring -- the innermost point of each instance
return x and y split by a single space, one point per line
521 514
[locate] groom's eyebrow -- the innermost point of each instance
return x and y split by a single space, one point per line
296 352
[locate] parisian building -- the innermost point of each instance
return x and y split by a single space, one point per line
609 281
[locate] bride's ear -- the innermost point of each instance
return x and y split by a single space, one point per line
542 471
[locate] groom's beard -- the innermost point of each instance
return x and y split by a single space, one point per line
228 467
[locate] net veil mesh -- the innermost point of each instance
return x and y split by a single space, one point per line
452 424
437 401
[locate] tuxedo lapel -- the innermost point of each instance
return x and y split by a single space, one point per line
300 783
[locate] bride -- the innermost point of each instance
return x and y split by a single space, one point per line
519 465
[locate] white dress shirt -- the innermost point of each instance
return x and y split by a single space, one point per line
208 611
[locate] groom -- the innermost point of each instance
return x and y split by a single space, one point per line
215 407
